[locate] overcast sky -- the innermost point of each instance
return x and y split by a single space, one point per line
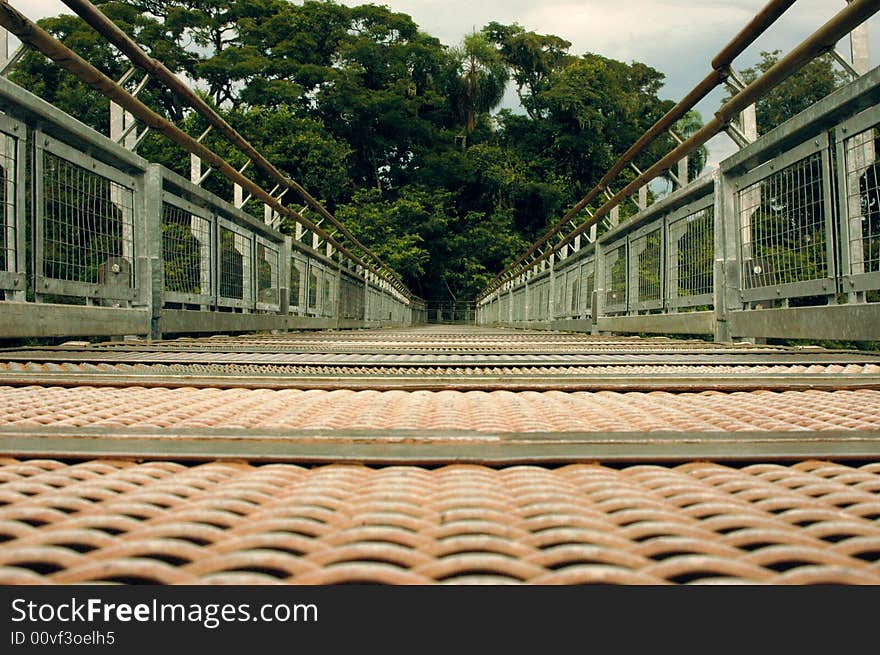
677 37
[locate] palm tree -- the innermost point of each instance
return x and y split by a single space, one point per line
481 80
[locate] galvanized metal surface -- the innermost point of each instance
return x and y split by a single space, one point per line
227 523
534 378
432 358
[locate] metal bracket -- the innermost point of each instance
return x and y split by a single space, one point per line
845 63
13 59
738 136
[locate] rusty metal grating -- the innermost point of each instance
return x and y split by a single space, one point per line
117 521
500 411
277 371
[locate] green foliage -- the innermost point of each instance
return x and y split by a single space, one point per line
796 93
532 59
400 230
481 79
45 79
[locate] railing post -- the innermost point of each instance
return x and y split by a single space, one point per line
285 255
510 304
727 272
366 297
154 264
598 299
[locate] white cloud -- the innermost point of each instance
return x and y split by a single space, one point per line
36 9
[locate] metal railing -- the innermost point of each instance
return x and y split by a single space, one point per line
98 241
789 225
782 241
451 312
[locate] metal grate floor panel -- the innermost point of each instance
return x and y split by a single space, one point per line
499 411
117 521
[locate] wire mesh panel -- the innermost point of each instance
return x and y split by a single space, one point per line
351 292
8 202
328 294
187 247
860 202
559 305
297 284
572 285
691 261
236 254
615 278
784 219
12 268
587 286
519 305
268 287
538 299
312 288
85 227
646 269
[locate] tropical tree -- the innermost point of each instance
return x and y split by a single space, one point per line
532 58
481 79
64 90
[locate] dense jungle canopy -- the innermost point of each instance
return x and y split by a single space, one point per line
400 135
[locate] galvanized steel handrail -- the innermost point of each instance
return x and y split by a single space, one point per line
824 39
31 34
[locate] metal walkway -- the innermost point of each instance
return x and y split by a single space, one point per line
440 454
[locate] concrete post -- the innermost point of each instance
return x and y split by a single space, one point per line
4 46
683 172
643 197
861 56
614 216
366 296
510 304
861 154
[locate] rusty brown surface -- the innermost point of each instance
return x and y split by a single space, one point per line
186 492
106 521
497 411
